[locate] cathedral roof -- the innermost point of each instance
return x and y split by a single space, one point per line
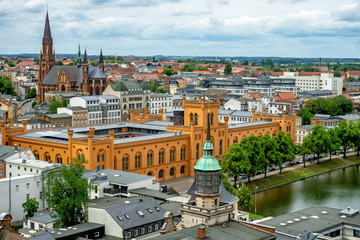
74 73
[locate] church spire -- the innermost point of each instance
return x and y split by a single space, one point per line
85 57
79 57
47 32
101 60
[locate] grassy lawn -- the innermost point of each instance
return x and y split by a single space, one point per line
353 159
295 174
251 215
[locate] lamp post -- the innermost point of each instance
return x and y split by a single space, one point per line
255 200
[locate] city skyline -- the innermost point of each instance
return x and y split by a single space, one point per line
284 28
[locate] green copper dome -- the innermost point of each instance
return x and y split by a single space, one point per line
208 162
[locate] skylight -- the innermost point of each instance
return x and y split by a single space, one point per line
120 218
157 209
127 216
150 211
140 213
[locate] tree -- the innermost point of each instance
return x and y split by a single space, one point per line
236 162
253 149
355 136
343 131
245 198
30 207
66 193
335 142
228 69
319 140
55 104
6 86
285 148
59 63
188 68
270 153
169 72
96 63
37 60
18 61
306 116
11 64
31 94
269 62
337 74
304 149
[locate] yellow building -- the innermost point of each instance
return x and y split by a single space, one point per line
147 146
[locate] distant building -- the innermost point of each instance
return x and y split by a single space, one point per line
160 101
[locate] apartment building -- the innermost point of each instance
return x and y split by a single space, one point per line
160 101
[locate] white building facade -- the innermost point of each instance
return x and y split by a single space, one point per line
160 101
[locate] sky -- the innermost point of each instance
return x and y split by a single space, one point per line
283 28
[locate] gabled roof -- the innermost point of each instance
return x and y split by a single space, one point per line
140 213
74 74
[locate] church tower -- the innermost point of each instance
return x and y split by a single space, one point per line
47 57
85 74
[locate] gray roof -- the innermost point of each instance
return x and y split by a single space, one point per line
225 196
315 219
109 202
74 74
233 231
58 115
131 210
152 193
118 177
46 236
7 151
75 108
46 218
248 124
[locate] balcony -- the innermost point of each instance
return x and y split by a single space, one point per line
112 191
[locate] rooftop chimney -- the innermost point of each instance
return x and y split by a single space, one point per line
201 232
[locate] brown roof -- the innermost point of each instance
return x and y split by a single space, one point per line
288 95
13 236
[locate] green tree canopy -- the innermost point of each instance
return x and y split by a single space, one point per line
355 136
306 116
319 140
55 104
66 193
31 94
30 207
59 63
6 86
343 131
11 64
253 149
235 162
270 154
228 69
335 106
337 74
285 148
335 142
245 198
188 68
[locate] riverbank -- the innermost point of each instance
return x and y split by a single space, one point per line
301 173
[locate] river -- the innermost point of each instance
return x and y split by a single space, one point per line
338 189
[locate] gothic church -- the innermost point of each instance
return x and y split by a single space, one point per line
83 77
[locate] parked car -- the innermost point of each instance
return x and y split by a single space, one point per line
272 169
286 165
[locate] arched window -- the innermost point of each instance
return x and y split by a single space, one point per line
97 90
137 160
161 174
197 150
182 153
47 157
125 163
182 169
235 140
191 117
36 154
150 159
149 174
161 156
172 154
220 147
196 119
63 88
172 172
58 158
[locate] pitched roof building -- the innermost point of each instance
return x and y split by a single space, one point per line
81 78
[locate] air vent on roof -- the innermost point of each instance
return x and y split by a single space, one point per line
349 212
157 209
120 218
150 211
127 216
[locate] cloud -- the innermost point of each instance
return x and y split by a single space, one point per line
350 13
286 1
